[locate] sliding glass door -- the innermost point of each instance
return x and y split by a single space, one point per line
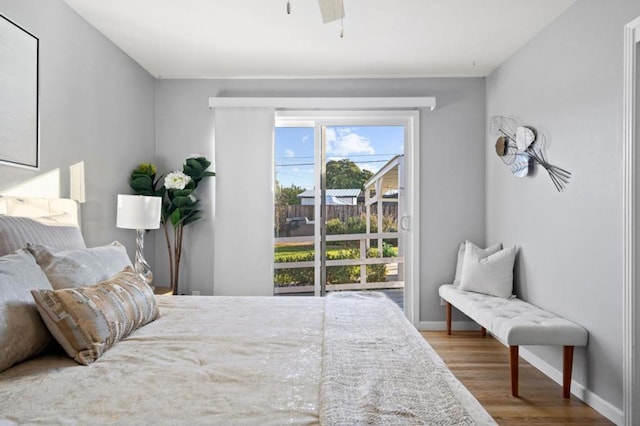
341 222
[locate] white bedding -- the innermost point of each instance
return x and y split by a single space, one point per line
243 360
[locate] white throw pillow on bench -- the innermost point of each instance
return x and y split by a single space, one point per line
485 252
488 274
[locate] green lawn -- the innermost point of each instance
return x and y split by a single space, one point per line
302 250
288 251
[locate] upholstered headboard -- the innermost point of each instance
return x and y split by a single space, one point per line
65 210
49 222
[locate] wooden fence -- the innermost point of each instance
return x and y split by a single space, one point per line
343 213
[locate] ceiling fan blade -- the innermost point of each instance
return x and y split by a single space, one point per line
331 10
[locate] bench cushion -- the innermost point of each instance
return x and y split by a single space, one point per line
514 321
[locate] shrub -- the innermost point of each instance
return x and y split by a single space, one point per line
286 277
335 227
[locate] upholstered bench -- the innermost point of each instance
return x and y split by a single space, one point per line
515 322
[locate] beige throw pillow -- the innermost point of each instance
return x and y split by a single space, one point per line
87 321
22 332
78 268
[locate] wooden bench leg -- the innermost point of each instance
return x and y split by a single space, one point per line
447 309
513 363
567 366
483 331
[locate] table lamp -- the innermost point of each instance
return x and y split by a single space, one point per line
139 212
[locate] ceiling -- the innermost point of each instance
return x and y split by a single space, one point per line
258 39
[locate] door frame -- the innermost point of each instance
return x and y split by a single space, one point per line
410 119
631 323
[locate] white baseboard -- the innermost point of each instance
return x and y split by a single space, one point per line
603 407
441 326
614 414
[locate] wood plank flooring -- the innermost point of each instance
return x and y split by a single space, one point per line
482 365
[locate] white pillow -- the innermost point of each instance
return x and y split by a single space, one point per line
491 274
82 267
486 252
22 332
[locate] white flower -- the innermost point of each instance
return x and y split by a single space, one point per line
194 156
176 180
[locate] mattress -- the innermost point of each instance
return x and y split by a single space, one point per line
250 360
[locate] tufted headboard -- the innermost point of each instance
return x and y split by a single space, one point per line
66 211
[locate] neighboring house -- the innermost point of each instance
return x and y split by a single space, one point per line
335 197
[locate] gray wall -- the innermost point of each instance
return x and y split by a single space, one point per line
452 172
567 82
96 105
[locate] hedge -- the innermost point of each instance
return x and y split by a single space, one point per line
335 274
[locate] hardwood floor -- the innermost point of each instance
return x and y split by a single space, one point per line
482 365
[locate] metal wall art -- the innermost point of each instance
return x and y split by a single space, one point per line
522 147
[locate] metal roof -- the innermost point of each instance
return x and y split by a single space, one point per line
309 193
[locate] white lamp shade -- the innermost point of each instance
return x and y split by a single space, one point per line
138 212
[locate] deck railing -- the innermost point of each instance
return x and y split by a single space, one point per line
364 240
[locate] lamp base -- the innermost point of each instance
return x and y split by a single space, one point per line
140 265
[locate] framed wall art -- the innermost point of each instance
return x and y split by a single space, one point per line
19 109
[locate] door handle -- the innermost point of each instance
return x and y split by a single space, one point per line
405 223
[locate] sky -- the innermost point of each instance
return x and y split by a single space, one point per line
370 147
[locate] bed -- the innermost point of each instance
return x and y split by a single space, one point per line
346 359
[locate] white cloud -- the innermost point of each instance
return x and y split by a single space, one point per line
331 135
289 153
346 143
295 170
372 167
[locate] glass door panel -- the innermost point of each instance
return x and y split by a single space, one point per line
361 207
338 201
294 234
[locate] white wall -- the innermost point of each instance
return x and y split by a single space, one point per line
567 82
96 105
452 173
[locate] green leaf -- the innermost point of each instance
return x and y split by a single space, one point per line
192 217
175 217
194 167
182 202
204 162
142 184
179 192
159 192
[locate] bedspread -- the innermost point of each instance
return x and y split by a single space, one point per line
206 360
377 369
249 360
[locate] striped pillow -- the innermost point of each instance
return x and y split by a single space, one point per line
87 321
16 232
